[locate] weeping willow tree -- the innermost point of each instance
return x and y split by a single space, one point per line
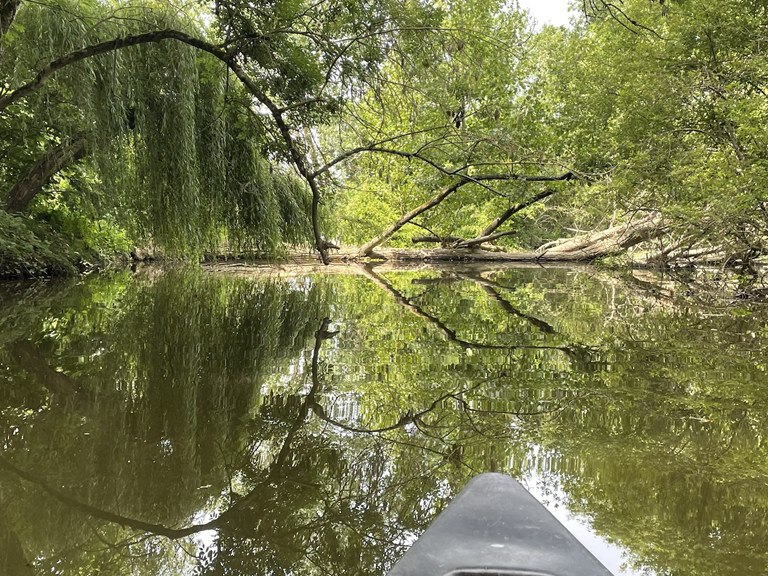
159 137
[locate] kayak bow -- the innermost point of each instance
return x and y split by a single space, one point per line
494 527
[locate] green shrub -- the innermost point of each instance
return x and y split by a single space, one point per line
28 248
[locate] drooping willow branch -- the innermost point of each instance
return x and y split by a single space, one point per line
102 48
228 58
233 60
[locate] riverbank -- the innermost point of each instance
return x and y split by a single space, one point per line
34 249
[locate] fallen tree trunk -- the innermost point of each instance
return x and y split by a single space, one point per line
456 255
608 242
582 248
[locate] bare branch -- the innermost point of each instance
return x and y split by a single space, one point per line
481 239
368 248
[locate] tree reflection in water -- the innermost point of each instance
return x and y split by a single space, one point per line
206 424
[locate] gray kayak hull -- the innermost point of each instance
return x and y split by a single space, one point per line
494 527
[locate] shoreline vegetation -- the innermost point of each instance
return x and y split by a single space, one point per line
702 278
30 249
424 131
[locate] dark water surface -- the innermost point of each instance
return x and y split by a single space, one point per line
197 423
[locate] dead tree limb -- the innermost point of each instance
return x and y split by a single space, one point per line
512 210
489 233
368 248
445 240
481 239
606 242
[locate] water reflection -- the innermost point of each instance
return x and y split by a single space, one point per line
195 423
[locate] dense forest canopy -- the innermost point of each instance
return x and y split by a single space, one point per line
232 126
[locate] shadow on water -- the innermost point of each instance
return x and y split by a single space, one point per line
195 423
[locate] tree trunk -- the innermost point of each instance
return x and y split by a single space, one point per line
8 10
605 243
19 197
580 249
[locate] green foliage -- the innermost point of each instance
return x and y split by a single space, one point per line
27 249
666 115
657 107
461 97
176 154
59 241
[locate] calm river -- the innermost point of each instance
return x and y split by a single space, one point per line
193 422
